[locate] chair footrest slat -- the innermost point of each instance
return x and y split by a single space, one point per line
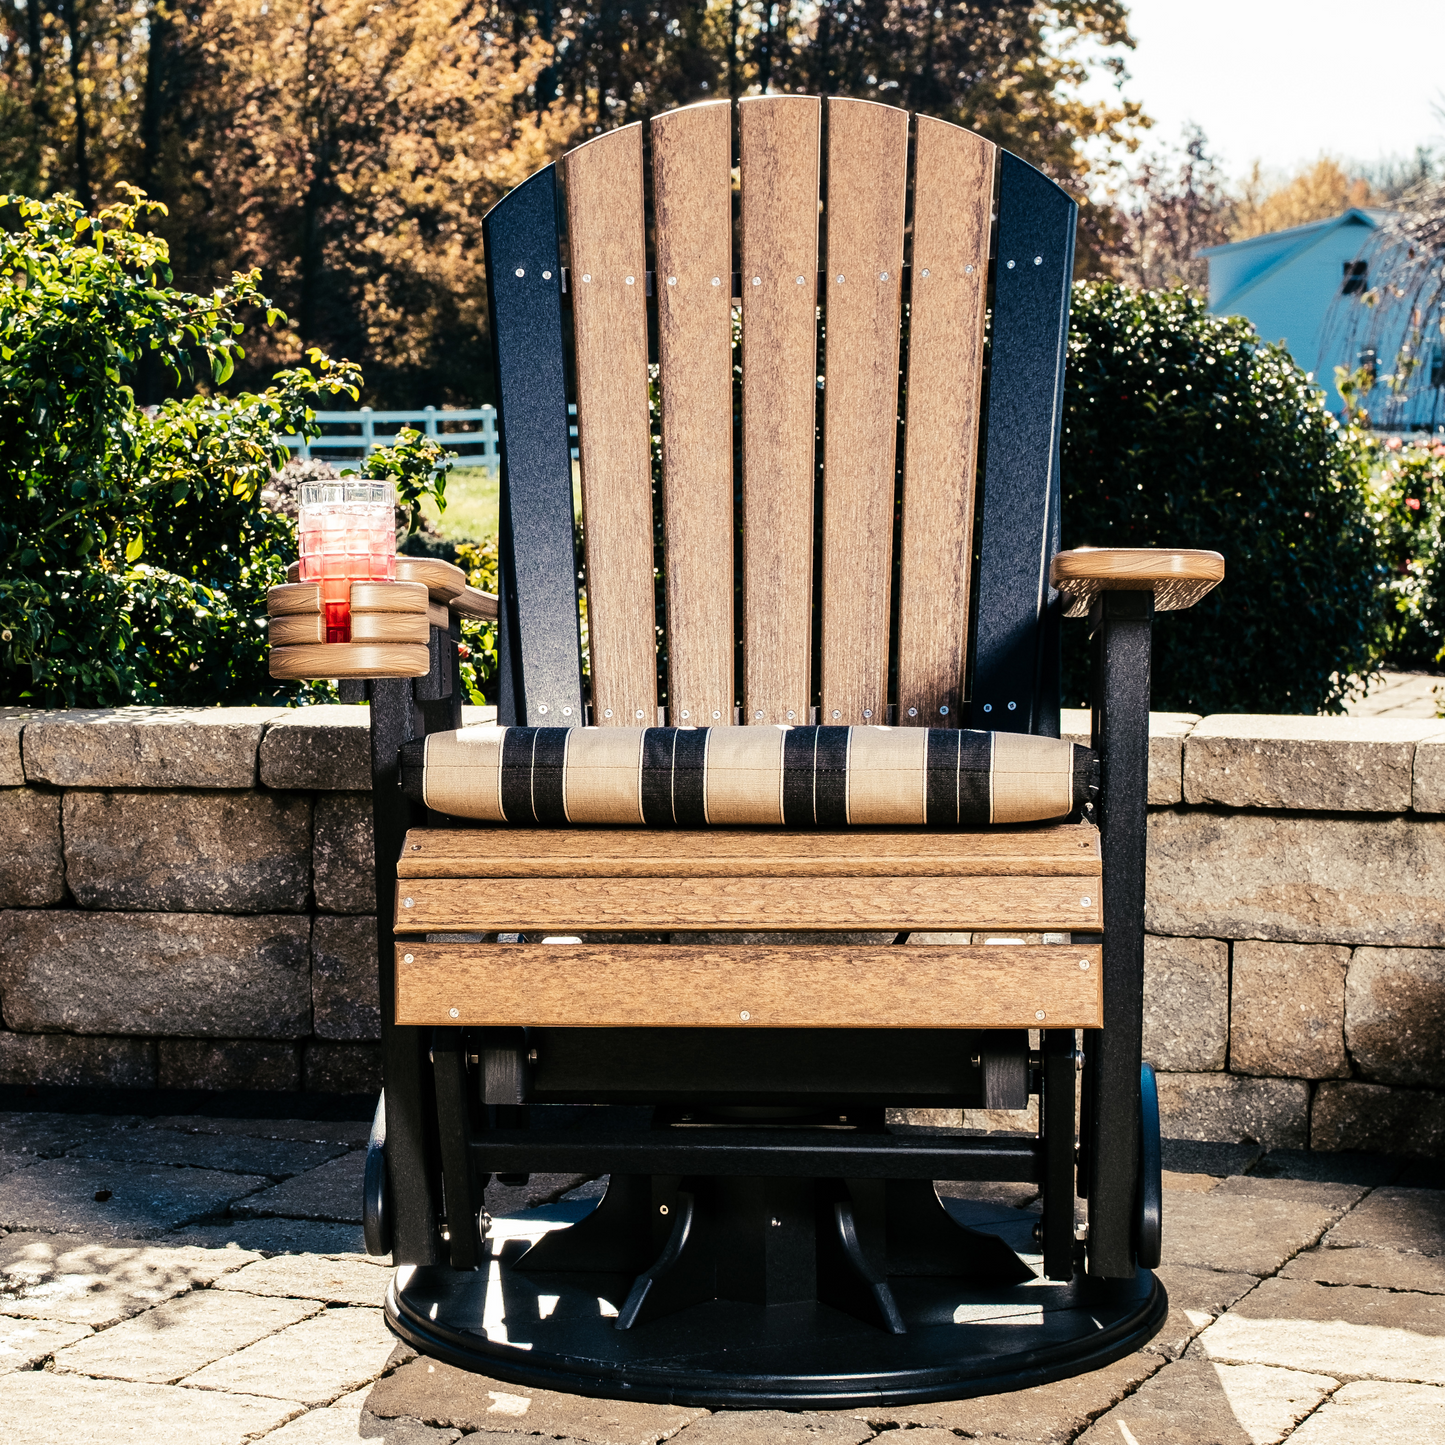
748 986
765 1153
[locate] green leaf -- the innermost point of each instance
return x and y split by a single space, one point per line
134 547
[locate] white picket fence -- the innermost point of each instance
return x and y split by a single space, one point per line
359 436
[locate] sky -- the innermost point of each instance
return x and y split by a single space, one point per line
1283 81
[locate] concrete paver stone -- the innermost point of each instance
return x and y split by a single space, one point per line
1371 1410
1199 1156
440 1394
1042 1415
1380 1268
1350 1332
336 1281
774 1427
332 1191
239 1154
40 1408
343 1424
25 1343
48 1136
315 1361
178 1338
1196 1298
132 1201
1194 1402
100 1283
1344 1166
1252 1233
351 1132
1412 1220
276 1236
1191 1183
1335 1197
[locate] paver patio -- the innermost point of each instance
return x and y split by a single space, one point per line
219 1294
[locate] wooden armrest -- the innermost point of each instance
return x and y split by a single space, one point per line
1178 579
446 584
472 602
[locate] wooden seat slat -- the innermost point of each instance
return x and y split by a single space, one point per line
692 187
489 852
867 187
747 986
952 215
748 902
779 166
606 235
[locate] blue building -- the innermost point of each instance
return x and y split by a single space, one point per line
1288 283
1298 286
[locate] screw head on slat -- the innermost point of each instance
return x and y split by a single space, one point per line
520 272
672 280
406 902
745 1015
1039 1014
967 271
1038 260
944 710
840 280
456 1013
588 278
407 958
836 713
717 280
1085 902
1083 963
542 707
546 275
800 280
924 271
566 712
867 712
607 712
988 707
631 280
757 280
717 714
913 712
1010 266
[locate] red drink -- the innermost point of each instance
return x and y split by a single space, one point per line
348 534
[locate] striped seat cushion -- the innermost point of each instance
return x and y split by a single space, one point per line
798 777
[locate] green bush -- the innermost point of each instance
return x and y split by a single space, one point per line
1407 489
1183 429
137 550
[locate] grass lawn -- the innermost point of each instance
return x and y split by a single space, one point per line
471 514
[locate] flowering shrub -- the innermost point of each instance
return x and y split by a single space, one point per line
1406 479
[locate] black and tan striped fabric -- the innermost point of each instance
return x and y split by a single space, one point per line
799 777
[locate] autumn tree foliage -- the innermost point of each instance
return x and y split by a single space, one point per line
349 148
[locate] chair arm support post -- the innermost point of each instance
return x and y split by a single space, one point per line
1122 625
410 1109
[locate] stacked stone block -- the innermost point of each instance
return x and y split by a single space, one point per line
189 902
1294 969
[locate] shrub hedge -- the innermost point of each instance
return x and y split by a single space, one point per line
1184 429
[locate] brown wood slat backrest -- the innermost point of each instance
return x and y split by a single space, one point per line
609 307
692 187
861 295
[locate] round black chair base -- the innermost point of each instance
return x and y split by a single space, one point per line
558 1332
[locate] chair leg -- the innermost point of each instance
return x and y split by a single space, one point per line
410 1129
1122 624
463 1198
1058 1129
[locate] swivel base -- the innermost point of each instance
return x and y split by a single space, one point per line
559 1330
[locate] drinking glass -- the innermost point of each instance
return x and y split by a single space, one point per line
348 534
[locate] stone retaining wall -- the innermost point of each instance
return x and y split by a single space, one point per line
188 902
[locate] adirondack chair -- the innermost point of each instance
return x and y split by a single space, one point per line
585 915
